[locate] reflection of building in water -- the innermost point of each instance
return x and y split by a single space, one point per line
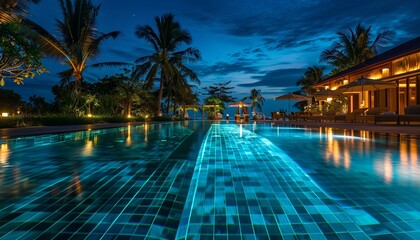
4 154
401 165
336 151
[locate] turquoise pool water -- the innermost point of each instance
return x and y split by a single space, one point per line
195 180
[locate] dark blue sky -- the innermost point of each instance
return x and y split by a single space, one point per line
264 44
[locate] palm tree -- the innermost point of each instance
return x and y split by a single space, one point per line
12 10
355 47
78 41
19 54
311 76
166 60
256 100
91 100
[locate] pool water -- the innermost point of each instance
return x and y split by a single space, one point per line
195 180
374 177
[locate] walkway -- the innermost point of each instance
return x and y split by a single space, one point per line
38 130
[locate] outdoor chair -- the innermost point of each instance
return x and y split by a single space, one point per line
387 117
369 115
351 117
340 117
411 114
314 116
327 116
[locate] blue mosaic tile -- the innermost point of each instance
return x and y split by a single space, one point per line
113 184
374 177
271 197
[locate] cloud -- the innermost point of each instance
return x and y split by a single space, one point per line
293 24
277 78
242 65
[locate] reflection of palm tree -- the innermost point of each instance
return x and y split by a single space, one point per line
355 47
165 59
79 38
311 76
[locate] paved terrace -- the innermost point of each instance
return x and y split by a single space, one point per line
39 130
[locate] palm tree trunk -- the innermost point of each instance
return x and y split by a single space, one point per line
78 79
168 102
129 108
158 113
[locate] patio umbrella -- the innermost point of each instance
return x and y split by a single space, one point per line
292 96
323 94
239 104
365 84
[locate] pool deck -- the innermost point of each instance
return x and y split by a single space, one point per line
39 130
382 128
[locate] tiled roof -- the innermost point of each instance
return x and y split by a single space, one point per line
407 47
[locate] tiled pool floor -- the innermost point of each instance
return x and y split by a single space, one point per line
119 185
147 182
244 187
374 177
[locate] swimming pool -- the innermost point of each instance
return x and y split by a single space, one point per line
197 180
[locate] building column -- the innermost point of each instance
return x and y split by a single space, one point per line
417 89
398 96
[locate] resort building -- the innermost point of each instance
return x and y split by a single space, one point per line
399 65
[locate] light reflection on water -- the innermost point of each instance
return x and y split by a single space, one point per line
374 177
391 158
26 164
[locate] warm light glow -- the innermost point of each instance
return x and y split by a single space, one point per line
129 116
403 85
413 152
146 132
4 154
329 99
385 72
89 115
128 140
347 158
334 88
364 135
388 168
4 114
333 149
345 81
88 148
146 116
326 87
